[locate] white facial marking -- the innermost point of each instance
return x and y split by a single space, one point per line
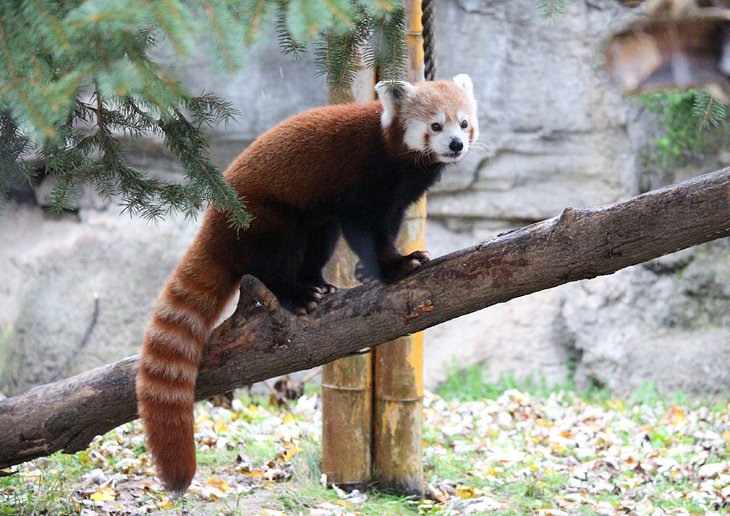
452 143
415 135
448 141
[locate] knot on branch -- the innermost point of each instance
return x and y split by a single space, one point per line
566 226
254 296
254 293
567 217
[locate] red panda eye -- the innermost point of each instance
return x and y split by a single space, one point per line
464 124
436 126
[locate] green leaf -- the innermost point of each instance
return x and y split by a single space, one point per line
176 20
217 21
305 18
387 53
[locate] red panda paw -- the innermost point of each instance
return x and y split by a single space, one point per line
299 298
308 297
308 307
413 261
404 265
362 274
421 256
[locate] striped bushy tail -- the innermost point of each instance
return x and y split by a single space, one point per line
185 313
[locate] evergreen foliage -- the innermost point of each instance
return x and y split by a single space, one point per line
75 75
708 111
552 8
689 120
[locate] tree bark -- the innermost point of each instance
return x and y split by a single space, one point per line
260 340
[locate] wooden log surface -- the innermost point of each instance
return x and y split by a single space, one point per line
260 340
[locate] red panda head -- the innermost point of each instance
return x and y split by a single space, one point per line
437 120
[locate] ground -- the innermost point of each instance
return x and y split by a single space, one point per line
508 451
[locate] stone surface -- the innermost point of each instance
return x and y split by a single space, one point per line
548 113
556 133
665 321
55 267
559 134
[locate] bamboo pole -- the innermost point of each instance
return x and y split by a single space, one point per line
347 383
398 423
346 401
398 386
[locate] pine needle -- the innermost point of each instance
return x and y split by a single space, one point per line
552 8
710 111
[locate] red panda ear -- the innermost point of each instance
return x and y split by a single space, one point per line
464 81
390 94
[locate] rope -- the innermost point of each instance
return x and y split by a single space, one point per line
428 20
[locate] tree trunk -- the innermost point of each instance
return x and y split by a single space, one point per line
260 340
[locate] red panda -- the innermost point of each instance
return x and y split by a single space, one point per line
349 169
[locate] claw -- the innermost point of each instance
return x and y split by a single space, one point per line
300 310
328 288
421 256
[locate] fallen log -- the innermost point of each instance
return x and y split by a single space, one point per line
261 340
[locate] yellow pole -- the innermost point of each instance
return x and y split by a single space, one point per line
398 386
347 383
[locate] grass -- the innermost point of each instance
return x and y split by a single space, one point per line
45 491
537 430
475 382
307 497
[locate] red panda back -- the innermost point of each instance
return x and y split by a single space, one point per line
320 150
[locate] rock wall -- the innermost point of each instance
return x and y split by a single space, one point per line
560 135
556 133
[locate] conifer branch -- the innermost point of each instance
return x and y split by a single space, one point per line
257 14
710 111
55 51
552 8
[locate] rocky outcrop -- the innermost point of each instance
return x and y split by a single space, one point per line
560 134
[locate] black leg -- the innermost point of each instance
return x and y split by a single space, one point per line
321 243
361 239
276 259
374 243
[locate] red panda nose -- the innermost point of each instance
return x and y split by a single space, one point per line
456 145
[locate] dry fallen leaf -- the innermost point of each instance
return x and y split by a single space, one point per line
465 492
104 494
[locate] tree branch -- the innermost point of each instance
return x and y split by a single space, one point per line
262 340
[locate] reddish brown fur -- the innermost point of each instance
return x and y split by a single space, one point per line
294 179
